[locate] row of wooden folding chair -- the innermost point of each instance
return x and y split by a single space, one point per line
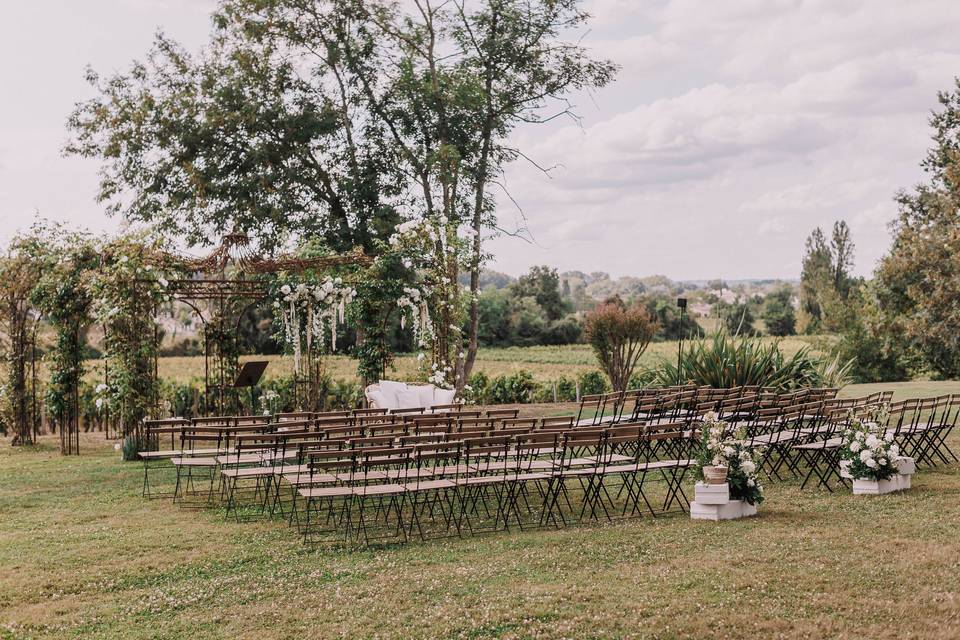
490 482
356 436
922 426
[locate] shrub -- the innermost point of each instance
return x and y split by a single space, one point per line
723 361
564 331
592 382
477 388
875 348
181 399
566 390
619 336
130 448
737 318
643 378
513 389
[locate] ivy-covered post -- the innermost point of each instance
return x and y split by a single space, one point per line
61 294
435 306
18 274
126 289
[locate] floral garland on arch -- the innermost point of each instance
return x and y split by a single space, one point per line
722 446
308 310
433 248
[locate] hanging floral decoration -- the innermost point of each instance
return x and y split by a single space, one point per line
308 310
413 304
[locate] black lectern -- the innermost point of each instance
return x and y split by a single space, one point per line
249 376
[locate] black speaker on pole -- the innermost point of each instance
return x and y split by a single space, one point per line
682 305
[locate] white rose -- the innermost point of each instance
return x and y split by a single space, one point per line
888 437
285 289
866 455
872 463
748 467
854 446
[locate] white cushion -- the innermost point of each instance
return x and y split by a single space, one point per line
390 389
408 399
444 396
426 395
392 386
379 400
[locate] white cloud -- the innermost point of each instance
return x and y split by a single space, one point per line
735 128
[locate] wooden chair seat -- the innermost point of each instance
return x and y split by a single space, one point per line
326 492
430 485
195 462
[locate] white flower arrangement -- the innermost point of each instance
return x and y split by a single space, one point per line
268 401
869 451
723 447
101 396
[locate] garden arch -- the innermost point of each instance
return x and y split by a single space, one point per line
231 279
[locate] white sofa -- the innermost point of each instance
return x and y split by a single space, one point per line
389 394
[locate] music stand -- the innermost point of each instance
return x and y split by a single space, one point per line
249 376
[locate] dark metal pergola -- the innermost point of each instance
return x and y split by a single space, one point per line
228 281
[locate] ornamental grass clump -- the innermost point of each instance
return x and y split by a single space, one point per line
720 446
868 451
723 361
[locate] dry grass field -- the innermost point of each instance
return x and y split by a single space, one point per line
82 555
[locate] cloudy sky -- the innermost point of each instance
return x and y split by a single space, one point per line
734 128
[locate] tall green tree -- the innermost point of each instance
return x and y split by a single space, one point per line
778 313
233 139
335 117
918 282
826 279
543 285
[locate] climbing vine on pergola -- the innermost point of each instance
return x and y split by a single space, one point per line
76 282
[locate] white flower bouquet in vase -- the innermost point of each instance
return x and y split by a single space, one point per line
727 483
870 458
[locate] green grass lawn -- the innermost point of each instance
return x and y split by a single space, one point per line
82 555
